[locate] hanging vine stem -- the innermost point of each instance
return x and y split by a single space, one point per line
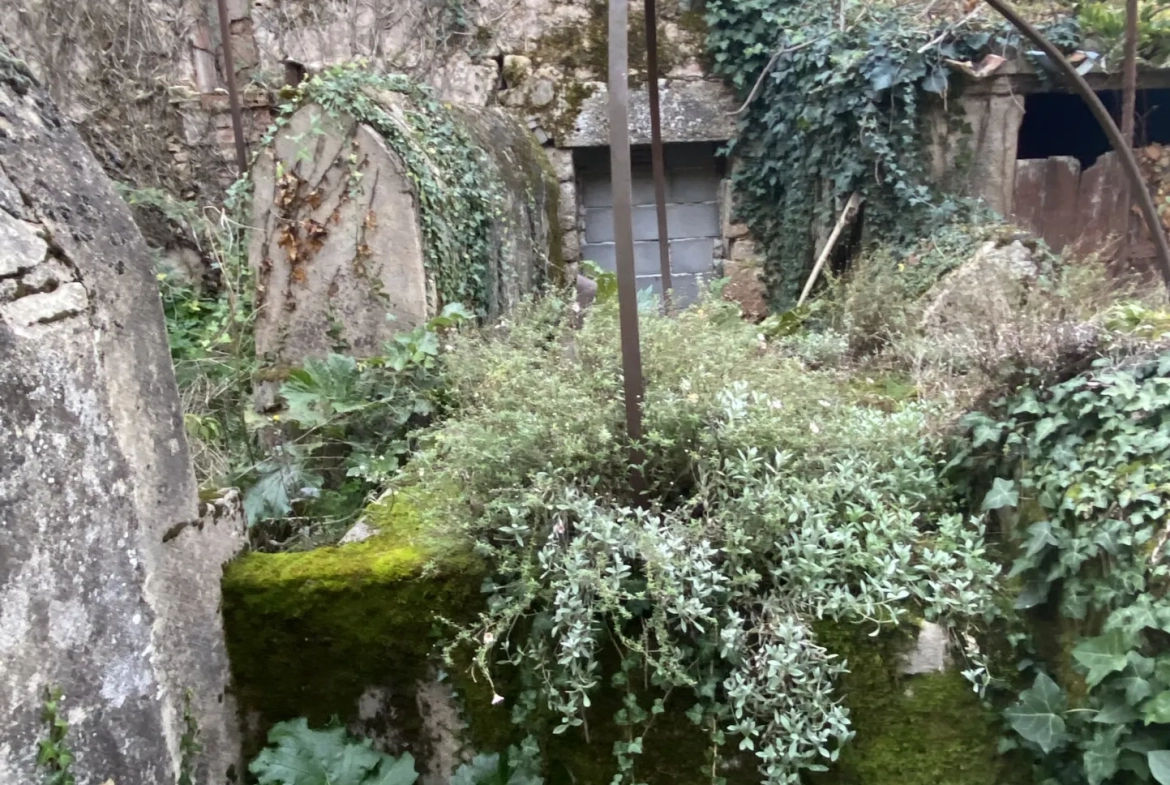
1137 185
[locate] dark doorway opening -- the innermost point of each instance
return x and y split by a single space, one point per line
1061 124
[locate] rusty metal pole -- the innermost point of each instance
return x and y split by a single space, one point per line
623 230
229 75
657 161
1124 151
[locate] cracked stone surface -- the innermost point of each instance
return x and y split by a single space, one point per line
109 573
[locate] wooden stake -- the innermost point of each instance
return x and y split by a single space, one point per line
850 206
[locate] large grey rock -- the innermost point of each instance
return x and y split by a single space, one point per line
109 576
343 262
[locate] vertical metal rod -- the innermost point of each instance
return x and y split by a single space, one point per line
623 229
229 75
656 156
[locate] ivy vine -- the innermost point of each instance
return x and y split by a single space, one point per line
458 187
835 104
1083 468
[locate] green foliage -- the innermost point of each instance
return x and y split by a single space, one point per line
840 108
345 426
298 755
772 503
209 325
190 747
518 766
53 755
1106 21
459 188
1085 466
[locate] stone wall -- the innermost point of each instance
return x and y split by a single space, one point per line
109 573
541 60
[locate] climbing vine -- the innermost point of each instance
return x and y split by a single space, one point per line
1083 468
458 187
835 103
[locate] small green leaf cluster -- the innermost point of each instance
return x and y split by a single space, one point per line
771 503
458 187
1106 21
299 755
345 426
53 756
1085 466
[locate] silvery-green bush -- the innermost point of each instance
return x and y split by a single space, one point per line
773 501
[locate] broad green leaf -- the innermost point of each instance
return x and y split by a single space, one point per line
1158 708
1040 537
482 769
299 755
1101 755
1102 655
1034 593
1159 761
1037 715
1117 712
1003 493
393 771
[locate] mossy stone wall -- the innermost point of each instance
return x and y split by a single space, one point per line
308 633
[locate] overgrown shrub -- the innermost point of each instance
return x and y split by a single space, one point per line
975 307
772 502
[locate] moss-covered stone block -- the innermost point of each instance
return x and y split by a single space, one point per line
925 729
308 633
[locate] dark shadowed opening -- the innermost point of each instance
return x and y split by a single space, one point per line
1061 124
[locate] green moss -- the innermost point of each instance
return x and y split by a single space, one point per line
308 632
928 729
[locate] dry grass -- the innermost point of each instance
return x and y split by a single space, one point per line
995 317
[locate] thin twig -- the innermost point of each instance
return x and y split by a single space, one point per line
759 82
948 30
850 206
1156 554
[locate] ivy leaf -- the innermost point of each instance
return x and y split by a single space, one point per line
1034 593
936 81
1117 712
1101 755
1102 655
1136 688
1158 709
1159 761
1040 537
1036 716
1003 493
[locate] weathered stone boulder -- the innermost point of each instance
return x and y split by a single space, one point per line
348 243
109 575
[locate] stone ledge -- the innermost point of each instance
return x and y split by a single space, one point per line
692 111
